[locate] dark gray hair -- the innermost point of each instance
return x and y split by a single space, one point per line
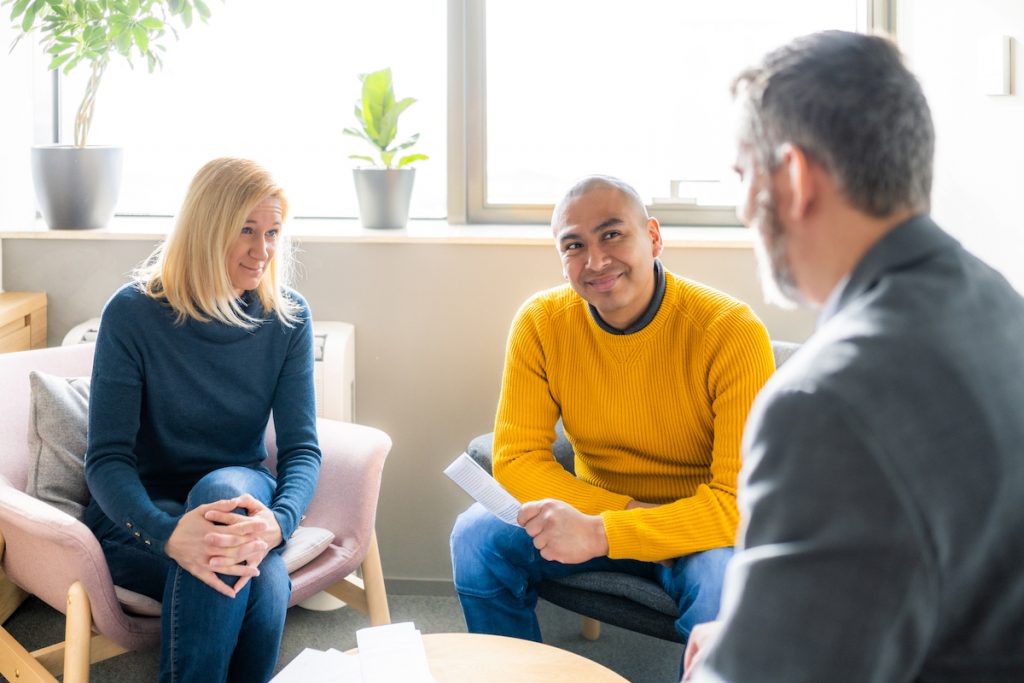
848 102
599 182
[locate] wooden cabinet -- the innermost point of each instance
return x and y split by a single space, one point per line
22 321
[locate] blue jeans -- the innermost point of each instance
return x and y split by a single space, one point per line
205 636
497 568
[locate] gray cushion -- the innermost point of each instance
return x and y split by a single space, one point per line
58 423
782 350
644 591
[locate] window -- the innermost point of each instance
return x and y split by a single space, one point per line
515 99
275 82
559 90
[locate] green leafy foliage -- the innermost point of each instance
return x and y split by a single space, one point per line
377 113
91 31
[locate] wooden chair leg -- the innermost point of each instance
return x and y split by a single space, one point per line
18 664
77 635
590 628
373 581
366 594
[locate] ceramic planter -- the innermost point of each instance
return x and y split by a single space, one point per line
384 196
76 187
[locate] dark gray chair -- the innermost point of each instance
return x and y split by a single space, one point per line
611 597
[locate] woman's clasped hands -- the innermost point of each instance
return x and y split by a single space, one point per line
229 537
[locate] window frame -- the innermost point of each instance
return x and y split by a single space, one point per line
467 127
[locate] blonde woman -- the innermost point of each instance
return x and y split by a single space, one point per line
191 359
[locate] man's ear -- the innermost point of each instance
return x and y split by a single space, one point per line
654 231
796 173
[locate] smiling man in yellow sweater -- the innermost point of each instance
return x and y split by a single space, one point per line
653 376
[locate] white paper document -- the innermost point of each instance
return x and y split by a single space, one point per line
475 481
312 665
393 654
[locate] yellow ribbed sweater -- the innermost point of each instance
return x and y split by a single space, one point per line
654 416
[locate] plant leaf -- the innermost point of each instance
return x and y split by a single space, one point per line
123 43
57 61
363 158
386 156
356 133
18 8
378 97
29 19
141 38
410 142
406 160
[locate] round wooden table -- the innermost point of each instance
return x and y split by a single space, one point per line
471 657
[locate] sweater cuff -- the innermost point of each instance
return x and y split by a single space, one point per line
151 532
623 543
287 526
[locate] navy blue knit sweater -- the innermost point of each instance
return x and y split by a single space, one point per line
172 402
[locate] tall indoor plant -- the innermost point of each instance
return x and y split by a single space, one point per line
77 186
385 190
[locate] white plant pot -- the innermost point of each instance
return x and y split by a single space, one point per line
76 187
384 196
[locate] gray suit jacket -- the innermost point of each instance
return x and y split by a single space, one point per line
883 486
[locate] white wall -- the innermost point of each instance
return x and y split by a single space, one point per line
17 206
979 172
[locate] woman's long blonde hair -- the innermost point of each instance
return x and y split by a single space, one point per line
189 269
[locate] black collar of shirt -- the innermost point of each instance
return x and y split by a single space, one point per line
652 308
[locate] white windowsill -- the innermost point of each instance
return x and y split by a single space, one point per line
313 230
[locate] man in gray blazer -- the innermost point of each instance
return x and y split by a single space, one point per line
882 494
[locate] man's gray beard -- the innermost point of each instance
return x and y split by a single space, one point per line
777 282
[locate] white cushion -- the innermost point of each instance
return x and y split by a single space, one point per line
305 545
137 603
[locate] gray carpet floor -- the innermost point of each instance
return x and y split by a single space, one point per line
637 658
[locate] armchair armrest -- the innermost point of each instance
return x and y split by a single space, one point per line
46 551
350 474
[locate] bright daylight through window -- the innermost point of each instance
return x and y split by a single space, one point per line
637 89
275 82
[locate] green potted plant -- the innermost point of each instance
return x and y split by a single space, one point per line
384 190
77 186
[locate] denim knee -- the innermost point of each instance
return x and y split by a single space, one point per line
696 582
271 590
229 482
484 549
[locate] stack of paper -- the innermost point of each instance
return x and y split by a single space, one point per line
323 667
393 653
387 654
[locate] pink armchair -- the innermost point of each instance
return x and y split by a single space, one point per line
47 553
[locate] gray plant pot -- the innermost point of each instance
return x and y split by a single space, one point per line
384 196
76 187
